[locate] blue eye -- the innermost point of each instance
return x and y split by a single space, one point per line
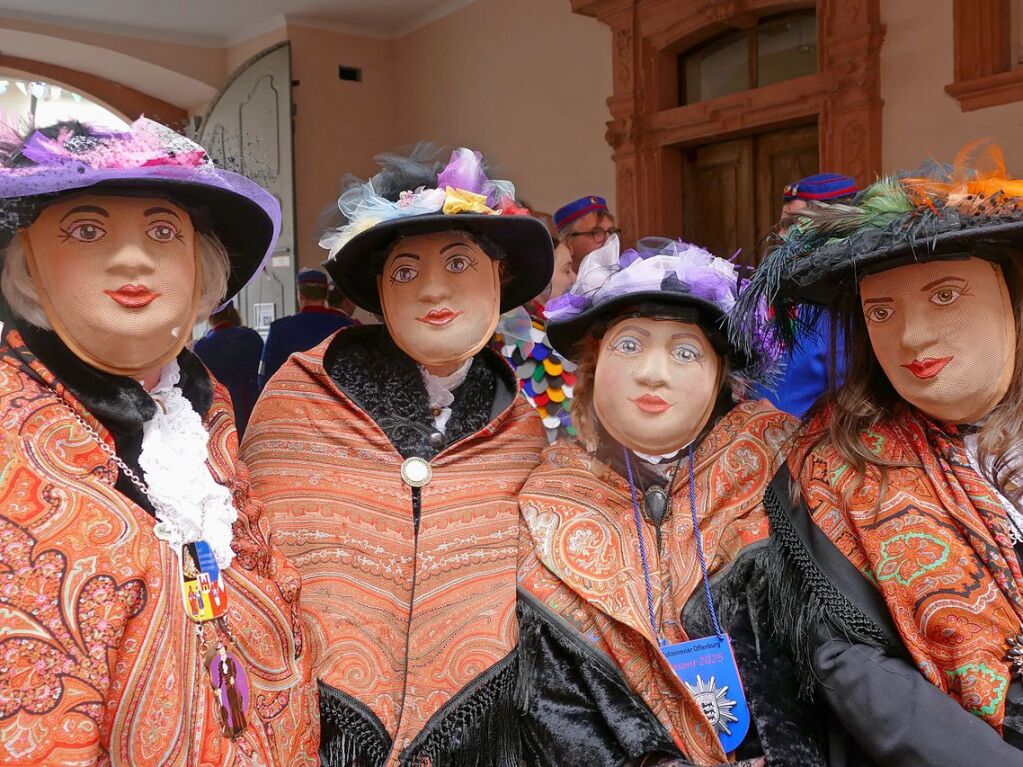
685 353
403 274
627 345
458 264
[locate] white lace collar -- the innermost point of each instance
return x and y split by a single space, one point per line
190 504
440 392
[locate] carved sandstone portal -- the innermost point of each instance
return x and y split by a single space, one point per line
647 128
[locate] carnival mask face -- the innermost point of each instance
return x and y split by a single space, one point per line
116 277
441 297
944 334
655 384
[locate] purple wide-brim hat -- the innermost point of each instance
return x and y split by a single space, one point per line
245 217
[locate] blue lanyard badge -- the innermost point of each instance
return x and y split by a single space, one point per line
706 666
707 669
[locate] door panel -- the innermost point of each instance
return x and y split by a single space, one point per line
718 196
248 130
732 189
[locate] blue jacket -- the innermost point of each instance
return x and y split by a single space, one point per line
232 355
298 333
805 374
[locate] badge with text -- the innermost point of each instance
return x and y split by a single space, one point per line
707 668
202 586
230 689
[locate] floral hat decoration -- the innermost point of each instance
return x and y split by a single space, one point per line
936 212
75 158
656 279
416 194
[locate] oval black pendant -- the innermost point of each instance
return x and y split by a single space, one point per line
655 501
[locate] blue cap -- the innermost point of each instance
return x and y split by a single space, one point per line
821 186
566 214
311 277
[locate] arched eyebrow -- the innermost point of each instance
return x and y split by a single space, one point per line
451 245
882 300
634 329
396 256
87 209
154 211
949 278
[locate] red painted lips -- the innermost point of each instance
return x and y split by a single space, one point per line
651 403
927 367
438 317
133 296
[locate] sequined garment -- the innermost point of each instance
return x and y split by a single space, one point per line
545 377
585 562
413 628
936 542
98 662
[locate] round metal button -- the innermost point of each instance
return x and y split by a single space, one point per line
437 440
415 472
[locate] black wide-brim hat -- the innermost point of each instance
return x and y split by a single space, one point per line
836 268
935 213
527 245
148 159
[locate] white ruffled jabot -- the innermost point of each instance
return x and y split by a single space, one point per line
190 504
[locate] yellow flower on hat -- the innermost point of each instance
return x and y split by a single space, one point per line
461 201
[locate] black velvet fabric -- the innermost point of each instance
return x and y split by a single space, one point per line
385 382
118 402
578 710
787 730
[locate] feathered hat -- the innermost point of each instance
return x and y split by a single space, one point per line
936 212
415 194
150 158
658 278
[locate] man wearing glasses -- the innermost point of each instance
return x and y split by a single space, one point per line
584 225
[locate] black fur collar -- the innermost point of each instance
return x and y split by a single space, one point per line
118 402
385 382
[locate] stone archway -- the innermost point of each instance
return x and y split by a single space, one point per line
645 129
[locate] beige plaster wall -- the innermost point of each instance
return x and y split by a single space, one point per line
526 83
339 126
920 120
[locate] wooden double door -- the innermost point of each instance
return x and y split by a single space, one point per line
732 190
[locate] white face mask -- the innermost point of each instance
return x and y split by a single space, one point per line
944 334
441 298
655 383
117 278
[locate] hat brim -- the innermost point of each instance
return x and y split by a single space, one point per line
245 217
824 277
525 240
566 336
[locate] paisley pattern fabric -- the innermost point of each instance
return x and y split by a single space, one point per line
400 621
98 662
934 539
581 552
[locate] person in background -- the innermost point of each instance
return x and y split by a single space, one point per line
231 351
807 371
584 225
341 303
313 322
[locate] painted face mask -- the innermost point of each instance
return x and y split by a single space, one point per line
116 277
441 295
944 334
655 383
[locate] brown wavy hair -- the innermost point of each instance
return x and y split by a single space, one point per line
867 398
